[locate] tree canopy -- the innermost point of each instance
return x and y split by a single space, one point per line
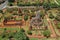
11 0
21 36
46 33
26 17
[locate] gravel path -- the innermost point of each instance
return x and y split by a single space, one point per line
56 2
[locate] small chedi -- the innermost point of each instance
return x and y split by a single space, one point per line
36 22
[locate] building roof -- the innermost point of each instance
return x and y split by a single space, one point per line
12 22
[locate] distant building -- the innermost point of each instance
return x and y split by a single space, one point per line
36 22
12 22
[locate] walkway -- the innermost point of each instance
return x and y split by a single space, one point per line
51 27
2 6
34 36
21 6
56 2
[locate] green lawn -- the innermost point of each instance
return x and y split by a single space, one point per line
33 38
45 38
16 28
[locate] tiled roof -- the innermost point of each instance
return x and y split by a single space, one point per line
12 22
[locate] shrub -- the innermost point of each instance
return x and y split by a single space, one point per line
51 16
1 11
46 33
57 17
5 29
26 17
20 36
7 34
11 4
29 32
11 0
22 30
58 25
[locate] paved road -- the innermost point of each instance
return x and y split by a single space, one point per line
2 6
23 6
56 2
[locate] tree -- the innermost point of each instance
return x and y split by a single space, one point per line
46 33
11 0
51 16
22 30
42 14
58 25
25 18
29 32
7 16
10 10
7 34
10 4
1 11
21 36
58 17
46 6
